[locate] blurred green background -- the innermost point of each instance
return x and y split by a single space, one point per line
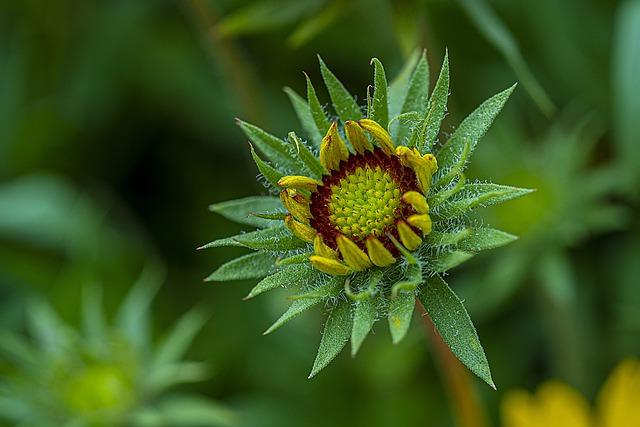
117 130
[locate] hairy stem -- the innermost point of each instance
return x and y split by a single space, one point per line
463 397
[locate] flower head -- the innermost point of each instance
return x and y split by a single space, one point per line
367 201
371 211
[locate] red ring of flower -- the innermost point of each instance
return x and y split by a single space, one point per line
403 176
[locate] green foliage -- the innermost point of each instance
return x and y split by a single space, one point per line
251 266
495 31
345 105
387 292
473 128
243 210
108 374
454 325
337 330
380 104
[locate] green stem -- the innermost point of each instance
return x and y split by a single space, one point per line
463 398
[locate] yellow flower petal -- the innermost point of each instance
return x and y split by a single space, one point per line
320 248
554 404
381 136
297 204
423 166
356 137
333 149
352 254
299 182
329 266
408 237
378 254
421 221
417 201
619 399
300 230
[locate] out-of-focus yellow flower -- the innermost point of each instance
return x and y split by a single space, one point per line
557 405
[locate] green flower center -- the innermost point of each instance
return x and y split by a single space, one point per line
364 202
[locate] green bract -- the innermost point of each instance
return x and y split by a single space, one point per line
355 301
105 375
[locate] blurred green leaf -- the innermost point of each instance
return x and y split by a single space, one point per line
626 89
132 318
176 342
345 105
242 210
316 23
400 85
337 330
263 15
185 411
455 326
497 33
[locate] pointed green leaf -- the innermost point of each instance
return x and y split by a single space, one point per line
400 312
173 347
336 333
418 90
305 301
273 239
402 302
317 112
477 195
448 260
454 325
430 128
292 275
439 238
345 105
274 148
481 239
380 102
304 116
473 127
252 266
271 174
365 312
400 84
365 315
241 210
308 158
